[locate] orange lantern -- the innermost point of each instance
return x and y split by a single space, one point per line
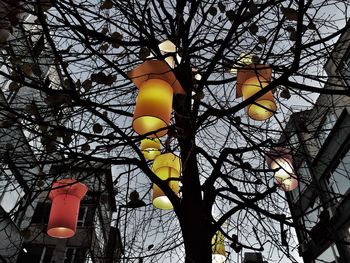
165 166
285 176
250 80
157 84
218 248
65 196
150 148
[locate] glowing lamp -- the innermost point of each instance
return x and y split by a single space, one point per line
218 248
165 166
65 196
157 84
285 176
250 80
153 107
150 148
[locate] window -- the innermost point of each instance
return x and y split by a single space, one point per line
331 255
35 253
345 69
69 255
74 255
31 131
88 258
326 127
99 231
293 141
304 177
312 213
12 192
82 215
339 181
4 82
41 213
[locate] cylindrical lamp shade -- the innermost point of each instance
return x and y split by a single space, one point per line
165 166
150 148
65 196
264 107
218 248
281 159
153 107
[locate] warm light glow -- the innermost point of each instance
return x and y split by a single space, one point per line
288 184
166 166
65 196
285 175
265 106
280 159
218 248
150 148
153 107
284 166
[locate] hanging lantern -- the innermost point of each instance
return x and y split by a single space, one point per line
157 84
150 148
169 51
165 166
218 248
65 196
285 176
169 47
250 80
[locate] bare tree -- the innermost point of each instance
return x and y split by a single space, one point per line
84 113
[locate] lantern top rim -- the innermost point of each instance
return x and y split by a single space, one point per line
168 158
278 153
155 69
250 71
69 187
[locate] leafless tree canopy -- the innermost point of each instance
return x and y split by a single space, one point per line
84 113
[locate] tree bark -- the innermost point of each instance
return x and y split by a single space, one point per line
193 214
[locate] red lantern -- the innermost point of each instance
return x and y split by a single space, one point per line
65 196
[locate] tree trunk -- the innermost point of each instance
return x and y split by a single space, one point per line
193 215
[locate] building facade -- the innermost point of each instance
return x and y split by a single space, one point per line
94 238
19 38
29 163
320 141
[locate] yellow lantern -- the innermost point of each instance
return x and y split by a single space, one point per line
150 148
157 84
285 176
218 248
250 80
166 166
153 107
